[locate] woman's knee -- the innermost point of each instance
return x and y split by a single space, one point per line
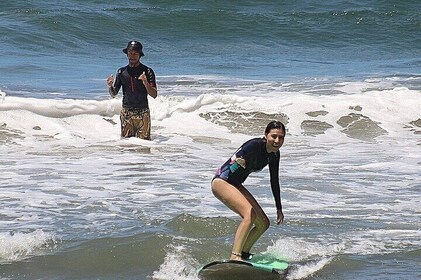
266 223
262 222
250 216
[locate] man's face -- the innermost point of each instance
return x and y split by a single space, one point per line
133 57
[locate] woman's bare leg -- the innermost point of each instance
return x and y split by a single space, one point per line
261 222
243 203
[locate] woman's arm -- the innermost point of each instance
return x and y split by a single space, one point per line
274 183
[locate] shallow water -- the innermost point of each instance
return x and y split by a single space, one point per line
79 202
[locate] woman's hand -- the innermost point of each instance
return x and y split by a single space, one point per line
280 217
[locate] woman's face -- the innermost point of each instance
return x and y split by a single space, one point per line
274 140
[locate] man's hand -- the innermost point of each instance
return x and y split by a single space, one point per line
143 78
149 87
110 81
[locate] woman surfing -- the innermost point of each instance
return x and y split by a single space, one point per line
227 186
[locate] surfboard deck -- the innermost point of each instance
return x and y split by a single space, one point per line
259 267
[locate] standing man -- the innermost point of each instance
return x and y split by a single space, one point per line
138 81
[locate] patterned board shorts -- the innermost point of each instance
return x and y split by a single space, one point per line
135 123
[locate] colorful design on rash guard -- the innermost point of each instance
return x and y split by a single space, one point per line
252 156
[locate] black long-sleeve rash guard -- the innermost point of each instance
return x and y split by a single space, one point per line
255 157
135 95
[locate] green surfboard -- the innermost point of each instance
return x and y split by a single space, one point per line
259 267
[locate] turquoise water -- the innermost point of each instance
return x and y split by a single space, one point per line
78 202
42 42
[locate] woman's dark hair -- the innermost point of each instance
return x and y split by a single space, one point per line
274 125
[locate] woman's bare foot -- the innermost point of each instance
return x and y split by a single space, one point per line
236 257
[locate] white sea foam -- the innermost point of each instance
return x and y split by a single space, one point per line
392 109
383 241
2 96
65 169
18 246
305 257
177 266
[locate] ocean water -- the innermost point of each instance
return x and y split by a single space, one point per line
79 202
